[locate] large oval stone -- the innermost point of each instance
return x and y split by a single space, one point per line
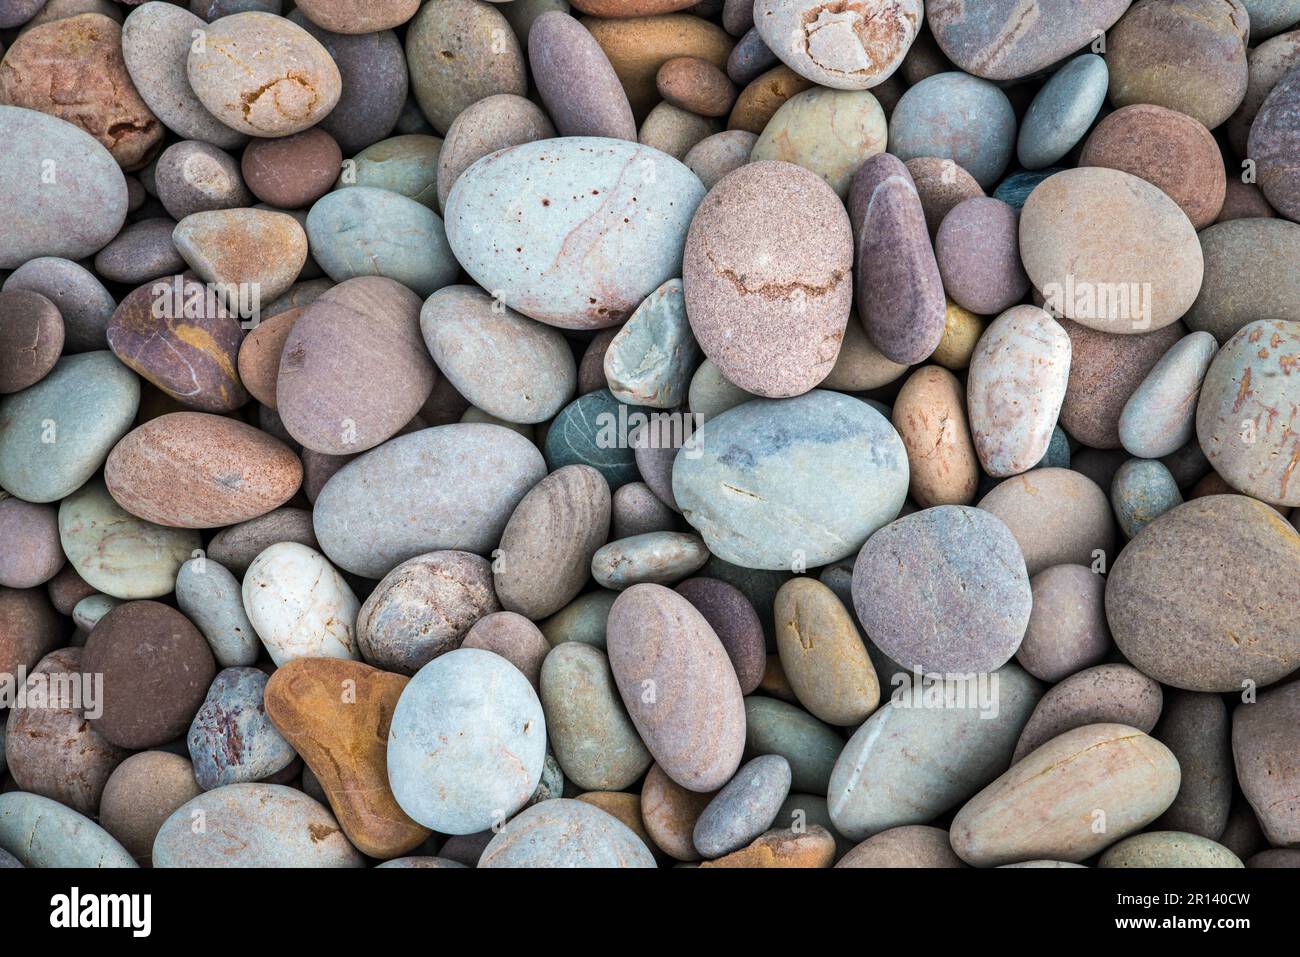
574 231
1199 598
449 487
771 483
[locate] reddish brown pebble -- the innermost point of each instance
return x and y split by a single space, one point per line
293 171
941 184
31 338
810 846
696 85
259 355
913 845
29 628
514 638
669 812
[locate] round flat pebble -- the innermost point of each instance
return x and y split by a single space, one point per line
140 794
407 165
31 532
941 184
957 117
1058 517
156 668
1110 251
267 252
753 509
237 546
292 171
1272 145
968 566
1152 595
83 302
1106 694
193 176
696 85
1252 271
850 49
830 132
1141 492
978 252
466 743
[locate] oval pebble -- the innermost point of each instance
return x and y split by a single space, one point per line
658 557
1058 517
1141 492
210 596
1263 741
1067 628
1168 849
829 132
1252 271
853 48
575 80
1160 416
1273 143
300 605
958 117
745 808
45 833
1106 694
978 252
1062 111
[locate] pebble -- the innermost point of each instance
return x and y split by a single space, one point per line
566 833
575 80
907 764
31 333
1272 145
650 360
636 510
466 743
595 741
1142 491
898 285
1237 416
449 487
658 557
850 49
231 740
1205 642
1058 517
1067 628
423 608
45 833
1106 694
1263 739
1196 727
810 746
1018 380
733 619
1062 111
822 654
83 303
978 252
745 808
263 825
941 184
830 132
193 176
552 187
141 793
31 532
195 470
116 552
343 740
753 509
1159 417
929 414
1252 271
72 218
547 546
958 117
693 720
156 670
1151 49
247 56
993 42
1168 849
292 171
696 86
237 546
1127 776
750 57
407 165
807 847
513 637
210 596
1088 235
299 604
459 52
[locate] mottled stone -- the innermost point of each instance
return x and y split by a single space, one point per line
848 48
1252 271
231 740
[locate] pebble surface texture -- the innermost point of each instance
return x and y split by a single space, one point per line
649 433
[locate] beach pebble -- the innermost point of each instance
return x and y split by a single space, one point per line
1142 491
978 252
696 86
466 743
1160 416
898 284
231 740
423 608
991 41
810 746
492 123
193 176
1263 743
116 552
734 621
1237 415
650 360
1057 516
593 737
1196 727
1168 849
1106 694
292 171
930 416
407 165
141 793
1272 145
459 52
830 132
1110 251
1019 372
83 303
580 90
566 833
1150 52
33 554
237 546
262 825
513 637
195 470
1045 806
263 75
745 808
336 714
693 722
958 117
72 218
45 833
211 598
31 338
854 48
1166 148
1203 641
822 654
1252 271
1067 628
752 508
659 557
941 184
156 669
912 845
1062 111
300 605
